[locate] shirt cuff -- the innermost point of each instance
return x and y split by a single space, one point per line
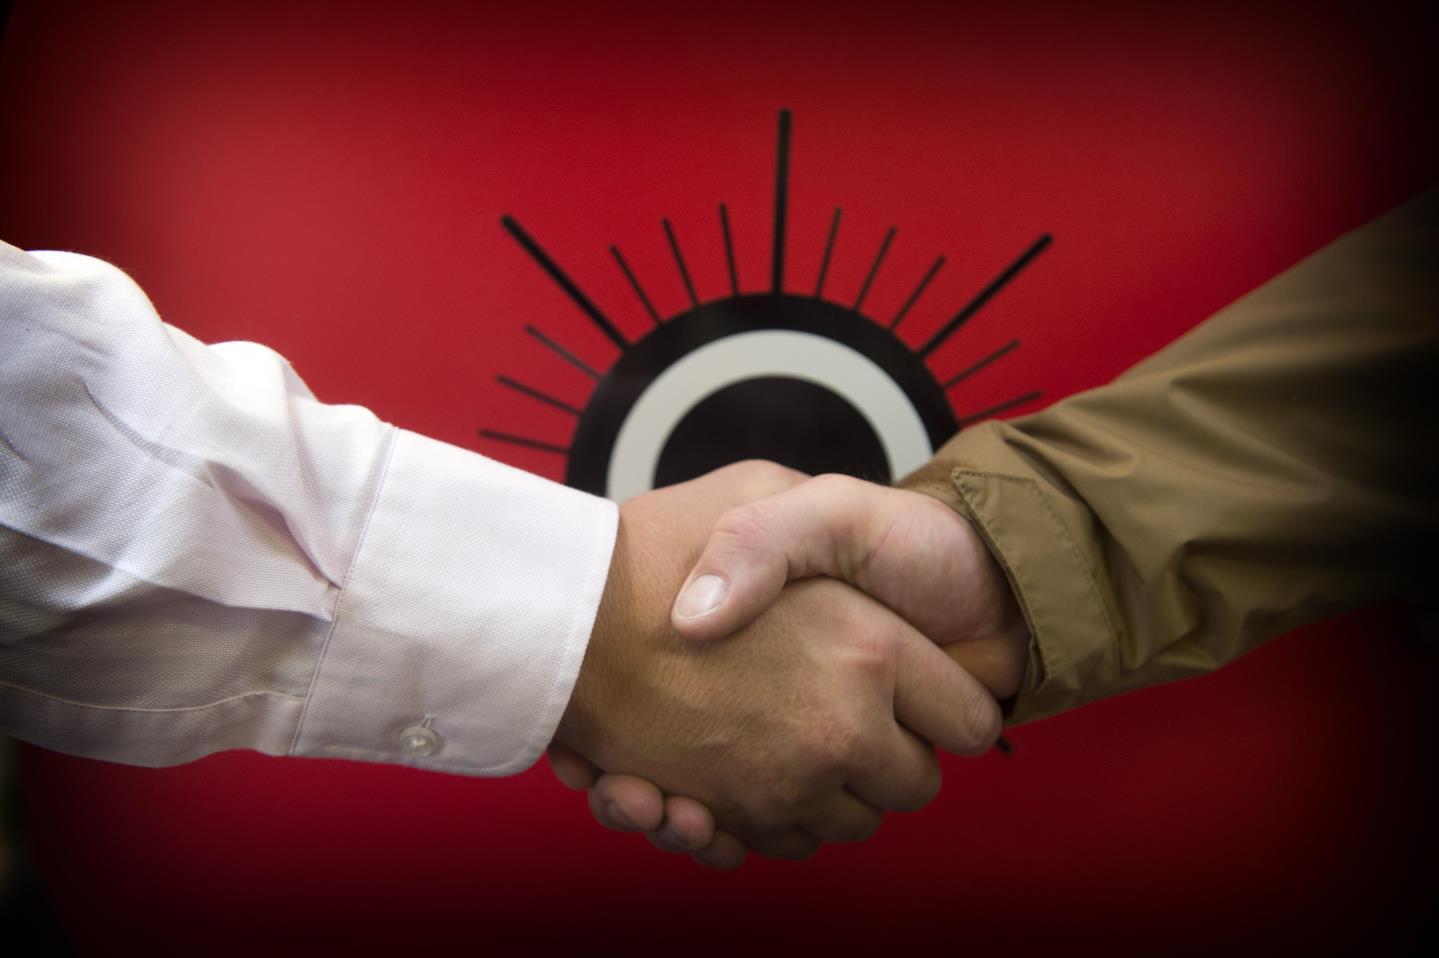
465 614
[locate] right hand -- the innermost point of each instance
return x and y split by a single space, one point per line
803 728
912 552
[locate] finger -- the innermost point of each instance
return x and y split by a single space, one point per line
793 844
571 768
825 526
938 700
998 663
688 826
626 803
724 852
842 818
899 772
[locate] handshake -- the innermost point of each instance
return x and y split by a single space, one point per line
827 633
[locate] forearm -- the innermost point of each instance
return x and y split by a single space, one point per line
1268 469
196 554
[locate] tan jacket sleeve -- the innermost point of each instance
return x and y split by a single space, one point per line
1272 467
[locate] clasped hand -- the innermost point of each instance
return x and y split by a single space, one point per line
827 634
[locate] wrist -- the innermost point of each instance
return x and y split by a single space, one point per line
578 726
995 648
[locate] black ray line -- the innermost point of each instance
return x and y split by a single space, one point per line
781 200
874 269
565 283
534 393
828 249
973 306
527 443
968 371
635 284
914 296
680 261
564 353
997 409
729 250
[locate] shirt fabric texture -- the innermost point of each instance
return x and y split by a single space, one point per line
197 555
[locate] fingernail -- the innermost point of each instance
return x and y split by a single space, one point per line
670 837
701 597
617 817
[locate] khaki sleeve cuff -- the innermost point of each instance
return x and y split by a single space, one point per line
1044 544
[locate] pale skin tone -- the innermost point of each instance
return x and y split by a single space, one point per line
815 717
908 551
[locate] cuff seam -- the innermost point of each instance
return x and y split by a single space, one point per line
1052 663
392 434
581 630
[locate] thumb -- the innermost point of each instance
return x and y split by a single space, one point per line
824 526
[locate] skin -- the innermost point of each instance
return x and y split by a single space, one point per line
815 718
909 551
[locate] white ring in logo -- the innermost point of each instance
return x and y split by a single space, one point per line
769 352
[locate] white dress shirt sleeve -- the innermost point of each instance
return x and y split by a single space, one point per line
197 555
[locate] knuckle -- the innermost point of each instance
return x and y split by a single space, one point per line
791 792
838 742
760 477
786 796
777 802
834 482
745 524
873 652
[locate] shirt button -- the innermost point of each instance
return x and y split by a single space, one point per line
419 741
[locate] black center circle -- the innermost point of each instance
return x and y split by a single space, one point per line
739 422
800 424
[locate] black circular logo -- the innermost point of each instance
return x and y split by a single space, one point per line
797 379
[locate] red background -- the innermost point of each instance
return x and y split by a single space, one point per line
328 179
